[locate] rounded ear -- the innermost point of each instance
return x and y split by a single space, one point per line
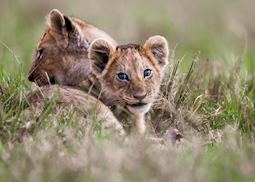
157 47
99 52
59 22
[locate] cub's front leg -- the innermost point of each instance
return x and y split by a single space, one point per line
140 122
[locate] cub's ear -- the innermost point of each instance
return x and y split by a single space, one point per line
99 52
157 47
59 22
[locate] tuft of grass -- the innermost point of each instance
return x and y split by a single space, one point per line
208 93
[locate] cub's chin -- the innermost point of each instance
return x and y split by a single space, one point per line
139 108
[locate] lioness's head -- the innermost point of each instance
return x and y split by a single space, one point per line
60 52
130 74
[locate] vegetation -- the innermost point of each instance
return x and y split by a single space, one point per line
208 94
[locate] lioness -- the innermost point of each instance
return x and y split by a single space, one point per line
128 75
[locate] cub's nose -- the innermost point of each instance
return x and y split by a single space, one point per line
31 78
139 96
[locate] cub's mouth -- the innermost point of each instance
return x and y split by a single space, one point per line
140 104
140 107
42 81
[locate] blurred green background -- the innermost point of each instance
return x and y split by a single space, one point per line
222 31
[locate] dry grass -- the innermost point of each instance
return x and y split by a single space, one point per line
208 94
50 157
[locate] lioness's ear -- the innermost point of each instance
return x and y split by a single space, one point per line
99 53
157 47
59 22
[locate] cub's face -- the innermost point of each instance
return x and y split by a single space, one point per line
61 52
130 74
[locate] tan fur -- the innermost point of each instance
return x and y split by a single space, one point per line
62 53
138 92
68 97
89 54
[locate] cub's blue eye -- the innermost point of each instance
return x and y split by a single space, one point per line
147 73
122 76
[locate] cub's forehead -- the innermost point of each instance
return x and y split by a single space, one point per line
129 52
130 57
124 47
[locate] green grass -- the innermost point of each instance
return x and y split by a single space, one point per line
212 101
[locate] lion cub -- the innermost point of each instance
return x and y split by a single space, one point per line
62 53
129 75
72 51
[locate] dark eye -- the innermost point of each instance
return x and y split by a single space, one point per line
39 53
147 73
122 76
